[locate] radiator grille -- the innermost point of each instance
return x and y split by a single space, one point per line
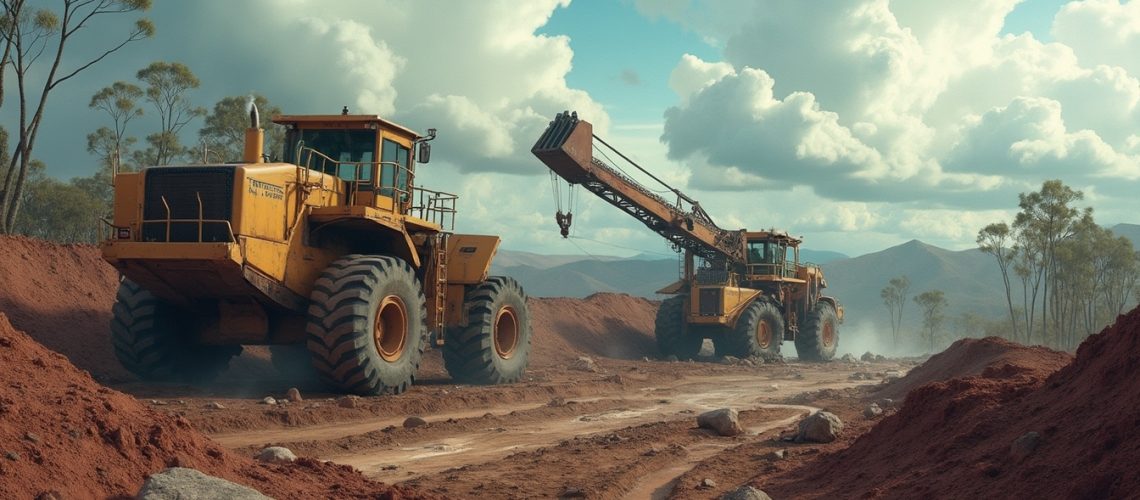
710 302
181 187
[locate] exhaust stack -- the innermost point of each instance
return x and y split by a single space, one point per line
254 137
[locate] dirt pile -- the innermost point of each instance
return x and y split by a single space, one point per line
956 438
61 295
611 325
971 357
61 431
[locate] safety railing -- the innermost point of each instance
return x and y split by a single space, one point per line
203 230
384 178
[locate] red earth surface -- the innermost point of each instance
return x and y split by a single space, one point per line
622 428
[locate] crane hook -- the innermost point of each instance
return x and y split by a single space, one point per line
564 220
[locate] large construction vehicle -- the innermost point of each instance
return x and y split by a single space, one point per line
745 290
332 254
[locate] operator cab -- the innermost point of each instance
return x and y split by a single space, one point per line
772 253
373 156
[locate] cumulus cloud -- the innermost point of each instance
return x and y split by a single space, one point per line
893 101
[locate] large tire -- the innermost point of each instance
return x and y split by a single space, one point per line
758 333
669 328
155 340
367 325
819 338
494 347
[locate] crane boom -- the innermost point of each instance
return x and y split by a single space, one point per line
567 148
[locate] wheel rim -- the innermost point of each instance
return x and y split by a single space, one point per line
828 333
506 332
391 328
763 334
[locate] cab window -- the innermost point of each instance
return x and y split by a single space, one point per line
394 170
346 149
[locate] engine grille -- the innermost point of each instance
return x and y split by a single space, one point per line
181 187
710 302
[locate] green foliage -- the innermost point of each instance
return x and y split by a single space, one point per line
932 302
167 85
894 297
224 133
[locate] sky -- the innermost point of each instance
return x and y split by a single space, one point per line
858 124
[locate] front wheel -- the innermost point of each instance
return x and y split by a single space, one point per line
494 346
367 327
153 339
819 338
759 332
669 328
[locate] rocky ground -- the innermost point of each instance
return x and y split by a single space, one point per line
598 416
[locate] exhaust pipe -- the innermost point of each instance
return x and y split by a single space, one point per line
254 137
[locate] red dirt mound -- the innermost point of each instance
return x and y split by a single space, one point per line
61 295
611 325
969 357
61 431
954 438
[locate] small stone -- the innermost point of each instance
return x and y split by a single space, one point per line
1025 445
707 483
50 495
645 359
730 360
572 492
390 467
872 411
268 400
820 427
585 364
724 421
775 456
293 395
276 455
413 422
348 401
11 455
214 405
746 493
158 402
31 437
651 452
774 387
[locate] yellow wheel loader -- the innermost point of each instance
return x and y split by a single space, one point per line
747 291
332 255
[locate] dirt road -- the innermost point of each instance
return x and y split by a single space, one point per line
628 430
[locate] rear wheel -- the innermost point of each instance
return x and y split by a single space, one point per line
367 325
155 340
494 346
669 329
759 332
819 338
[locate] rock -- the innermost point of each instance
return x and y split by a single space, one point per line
820 427
293 395
556 402
50 495
746 493
724 421
158 402
178 483
886 403
774 387
750 361
13 456
31 437
651 452
414 421
707 483
848 358
867 356
268 401
645 359
348 401
775 456
730 360
1025 445
214 405
276 455
585 364
872 411
572 492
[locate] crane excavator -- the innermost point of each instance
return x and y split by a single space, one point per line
747 291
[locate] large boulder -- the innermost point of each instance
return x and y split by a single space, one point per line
179 483
820 427
276 455
724 421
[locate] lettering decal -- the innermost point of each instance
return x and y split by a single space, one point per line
262 188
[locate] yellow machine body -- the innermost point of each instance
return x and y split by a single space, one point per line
242 244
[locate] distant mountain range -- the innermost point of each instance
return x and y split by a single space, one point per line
969 278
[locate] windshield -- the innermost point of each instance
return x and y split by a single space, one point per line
340 145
